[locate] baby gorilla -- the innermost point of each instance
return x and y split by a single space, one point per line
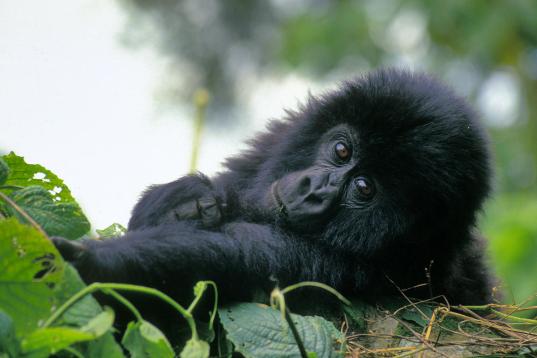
366 188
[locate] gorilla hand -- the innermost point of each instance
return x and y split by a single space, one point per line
191 197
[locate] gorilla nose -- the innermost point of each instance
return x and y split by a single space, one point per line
309 193
315 187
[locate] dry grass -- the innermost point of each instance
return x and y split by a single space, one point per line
442 330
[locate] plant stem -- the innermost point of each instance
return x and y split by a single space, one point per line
23 213
198 297
125 303
514 318
201 98
215 306
277 300
298 340
124 287
316 284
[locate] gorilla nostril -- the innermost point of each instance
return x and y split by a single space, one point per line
304 185
314 199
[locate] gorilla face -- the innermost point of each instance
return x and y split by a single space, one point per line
307 198
341 195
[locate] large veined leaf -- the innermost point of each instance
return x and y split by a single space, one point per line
9 345
30 268
56 218
24 174
143 340
46 341
52 205
259 331
4 171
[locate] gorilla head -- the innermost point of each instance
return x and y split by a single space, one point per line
389 157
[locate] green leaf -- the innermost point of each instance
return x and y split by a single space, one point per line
258 331
4 171
105 346
142 339
195 348
420 318
417 313
46 341
359 312
112 231
30 268
56 218
8 343
100 324
24 174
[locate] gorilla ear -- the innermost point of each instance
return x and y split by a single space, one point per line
70 250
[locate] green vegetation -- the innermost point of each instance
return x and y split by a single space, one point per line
45 308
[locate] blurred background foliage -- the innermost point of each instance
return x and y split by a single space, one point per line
487 50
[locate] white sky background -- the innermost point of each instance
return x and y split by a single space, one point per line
73 99
76 101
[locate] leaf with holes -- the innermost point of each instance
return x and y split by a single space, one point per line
56 218
259 331
23 174
30 268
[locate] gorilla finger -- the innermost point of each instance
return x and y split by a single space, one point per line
209 211
70 250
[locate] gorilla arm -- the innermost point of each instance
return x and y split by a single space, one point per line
241 260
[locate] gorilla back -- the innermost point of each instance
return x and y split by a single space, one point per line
363 189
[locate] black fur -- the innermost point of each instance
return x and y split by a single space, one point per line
420 145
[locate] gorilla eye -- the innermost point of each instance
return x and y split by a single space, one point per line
365 188
342 151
